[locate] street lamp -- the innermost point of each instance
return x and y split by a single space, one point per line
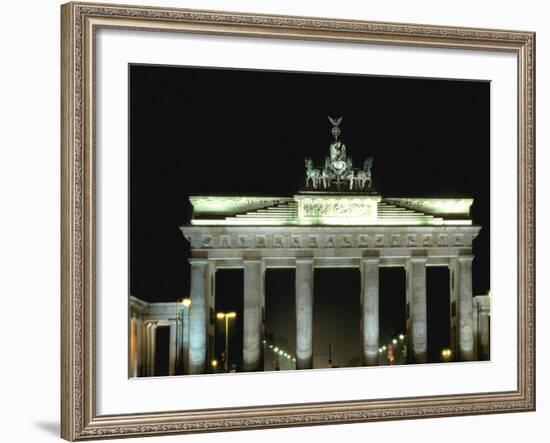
226 316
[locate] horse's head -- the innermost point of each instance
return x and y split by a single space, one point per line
309 163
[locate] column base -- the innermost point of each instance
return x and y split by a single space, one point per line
421 357
467 356
371 360
252 367
304 364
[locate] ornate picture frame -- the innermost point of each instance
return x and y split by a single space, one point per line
80 22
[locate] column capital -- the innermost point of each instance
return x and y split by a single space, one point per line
251 258
370 259
304 260
418 259
483 302
465 258
368 254
303 256
198 260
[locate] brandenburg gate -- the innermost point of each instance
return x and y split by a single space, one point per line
337 221
327 230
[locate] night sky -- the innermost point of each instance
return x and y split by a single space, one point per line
196 131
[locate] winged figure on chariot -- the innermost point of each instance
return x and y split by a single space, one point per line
338 171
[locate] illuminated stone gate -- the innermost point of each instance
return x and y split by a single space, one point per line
324 229
339 221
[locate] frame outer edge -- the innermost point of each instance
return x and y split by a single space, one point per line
67 224
530 200
78 419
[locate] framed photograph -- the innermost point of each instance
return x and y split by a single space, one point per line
282 221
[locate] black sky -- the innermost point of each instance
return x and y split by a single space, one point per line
196 131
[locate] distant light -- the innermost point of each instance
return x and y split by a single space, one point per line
276 349
380 350
293 359
186 302
231 314
384 348
214 363
446 353
401 337
220 315
394 341
263 342
270 346
281 352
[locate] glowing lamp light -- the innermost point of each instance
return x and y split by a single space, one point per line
281 352
186 302
276 349
222 315
384 348
394 341
380 350
214 363
401 337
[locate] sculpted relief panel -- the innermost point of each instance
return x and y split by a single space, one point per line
337 211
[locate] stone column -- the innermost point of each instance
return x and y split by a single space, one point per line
153 347
148 351
139 347
304 313
465 309
483 305
417 324
198 316
144 349
253 334
150 347
185 339
370 309
172 351
132 369
453 314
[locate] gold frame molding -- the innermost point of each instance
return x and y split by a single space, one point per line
79 22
